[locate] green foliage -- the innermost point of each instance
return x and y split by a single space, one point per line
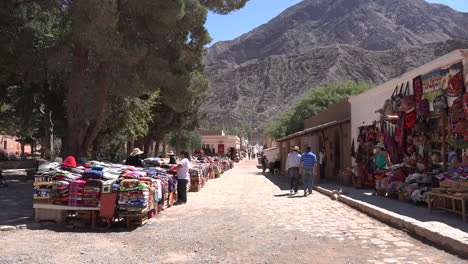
127 118
196 141
69 59
312 104
34 67
185 140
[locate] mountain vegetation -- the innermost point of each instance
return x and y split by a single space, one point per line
312 104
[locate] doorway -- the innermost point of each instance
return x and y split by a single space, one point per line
337 152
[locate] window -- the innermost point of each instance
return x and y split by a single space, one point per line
5 144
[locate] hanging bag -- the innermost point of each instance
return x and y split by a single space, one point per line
440 104
423 108
396 98
465 103
417 89
457 106
388 105
410 119
407 102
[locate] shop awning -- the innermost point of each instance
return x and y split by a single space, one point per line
315 128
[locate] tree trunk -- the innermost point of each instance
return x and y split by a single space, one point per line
156 148
164 151
22 148
48 142
177 142
86 103
148 146
130 147
96 149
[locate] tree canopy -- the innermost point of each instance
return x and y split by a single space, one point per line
78 66
312 104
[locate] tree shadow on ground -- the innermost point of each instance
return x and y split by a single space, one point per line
281 181
16 203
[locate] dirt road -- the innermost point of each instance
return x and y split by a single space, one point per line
243 217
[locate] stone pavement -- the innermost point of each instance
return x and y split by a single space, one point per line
436 226
243 217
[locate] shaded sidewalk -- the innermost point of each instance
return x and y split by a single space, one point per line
439 227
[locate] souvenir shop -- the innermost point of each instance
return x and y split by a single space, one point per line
104 195
416 148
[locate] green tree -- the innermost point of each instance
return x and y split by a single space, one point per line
34 63
132 48
126 119
312 104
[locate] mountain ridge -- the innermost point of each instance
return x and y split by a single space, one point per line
326 42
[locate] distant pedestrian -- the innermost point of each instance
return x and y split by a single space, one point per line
264 163
293 164
276 167
309 170
322 162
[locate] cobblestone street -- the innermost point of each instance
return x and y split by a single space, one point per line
243 217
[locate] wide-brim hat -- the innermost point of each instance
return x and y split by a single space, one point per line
136 151
381 145
70 161
296 148
170 153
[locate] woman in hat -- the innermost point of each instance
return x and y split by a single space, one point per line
172 159
382 160
135 158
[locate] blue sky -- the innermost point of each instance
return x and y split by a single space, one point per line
258 12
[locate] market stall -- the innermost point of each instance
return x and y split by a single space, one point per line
416 149
104 194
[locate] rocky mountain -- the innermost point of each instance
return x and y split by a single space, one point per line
317 42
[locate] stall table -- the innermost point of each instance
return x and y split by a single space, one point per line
450 203
40 212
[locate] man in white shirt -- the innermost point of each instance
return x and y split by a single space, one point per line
292 168
183 177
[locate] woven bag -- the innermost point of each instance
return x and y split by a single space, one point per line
396 98
407 102
423 108
440 104
465 103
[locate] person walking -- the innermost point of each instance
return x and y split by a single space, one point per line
183 177
292 169
322 162
264 163
309 170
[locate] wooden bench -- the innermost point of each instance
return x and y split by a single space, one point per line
449 202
